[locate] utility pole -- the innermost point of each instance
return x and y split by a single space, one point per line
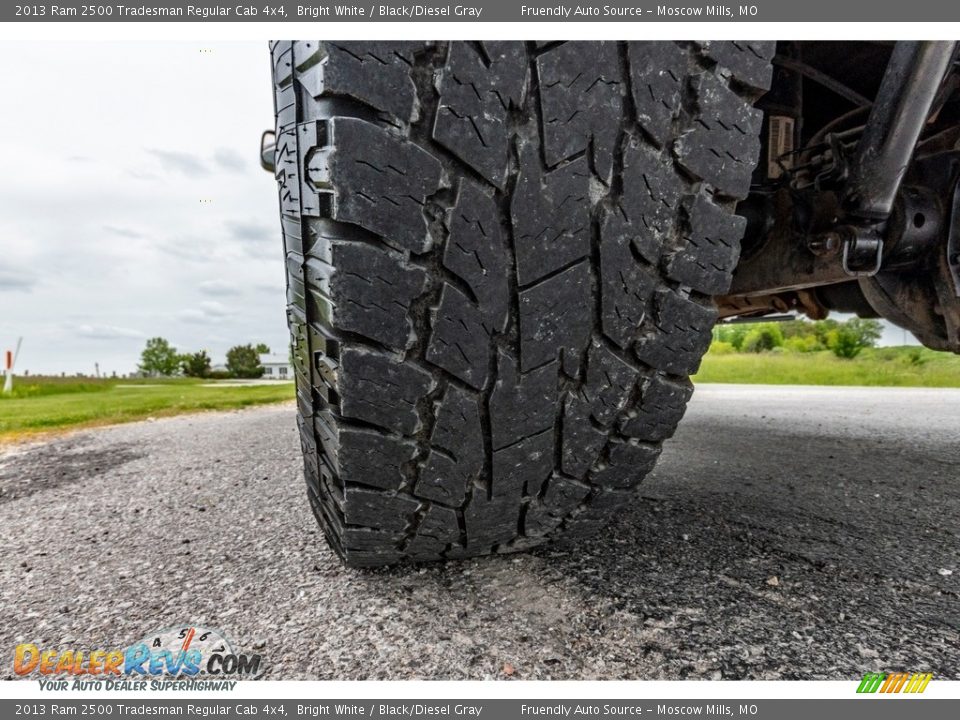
10 364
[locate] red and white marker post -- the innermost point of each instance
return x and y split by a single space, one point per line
11 361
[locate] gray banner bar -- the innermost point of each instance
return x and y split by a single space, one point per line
227 708
483 11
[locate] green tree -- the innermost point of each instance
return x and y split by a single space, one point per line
762 338
850 337
243 361
733 333
822 330
263 349
868 331
843 343
159 357
720 347
796 328
196 364
802 343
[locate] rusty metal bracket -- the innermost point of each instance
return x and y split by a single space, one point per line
862 252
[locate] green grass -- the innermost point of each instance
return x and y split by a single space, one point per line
42 404
891 367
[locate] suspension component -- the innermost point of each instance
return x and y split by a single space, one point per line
853 219
910 84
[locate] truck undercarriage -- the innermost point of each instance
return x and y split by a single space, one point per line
854 205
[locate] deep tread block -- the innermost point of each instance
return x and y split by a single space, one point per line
563 495
662 404
602 397
524 466
366 540
380 181
582 442
580 91
627 464
381 390
747 62
459 342
491 521
600 505
476 253
456 455
709 251
382 511
477 89
677 334
722 147
521 405
652 191
609 382
438 529
657 71
626 289
368 457
556 320
377 74
550 215
370 291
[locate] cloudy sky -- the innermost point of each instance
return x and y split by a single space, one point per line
132 203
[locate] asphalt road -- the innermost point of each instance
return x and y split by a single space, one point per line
789 533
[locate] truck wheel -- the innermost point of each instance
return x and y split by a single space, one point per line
501 258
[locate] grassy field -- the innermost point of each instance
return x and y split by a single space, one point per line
45 404
890 366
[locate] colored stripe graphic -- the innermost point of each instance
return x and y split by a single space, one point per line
894 683
890 682
871 682
919 682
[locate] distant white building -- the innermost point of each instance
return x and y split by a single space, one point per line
276 367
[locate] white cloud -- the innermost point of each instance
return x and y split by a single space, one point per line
180 162
193 249
229 160
106 332
207 312
214 309
124 232
16 279
219 288
252 230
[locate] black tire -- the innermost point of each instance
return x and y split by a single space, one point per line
501 258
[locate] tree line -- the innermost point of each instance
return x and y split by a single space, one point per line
845 339
159 357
